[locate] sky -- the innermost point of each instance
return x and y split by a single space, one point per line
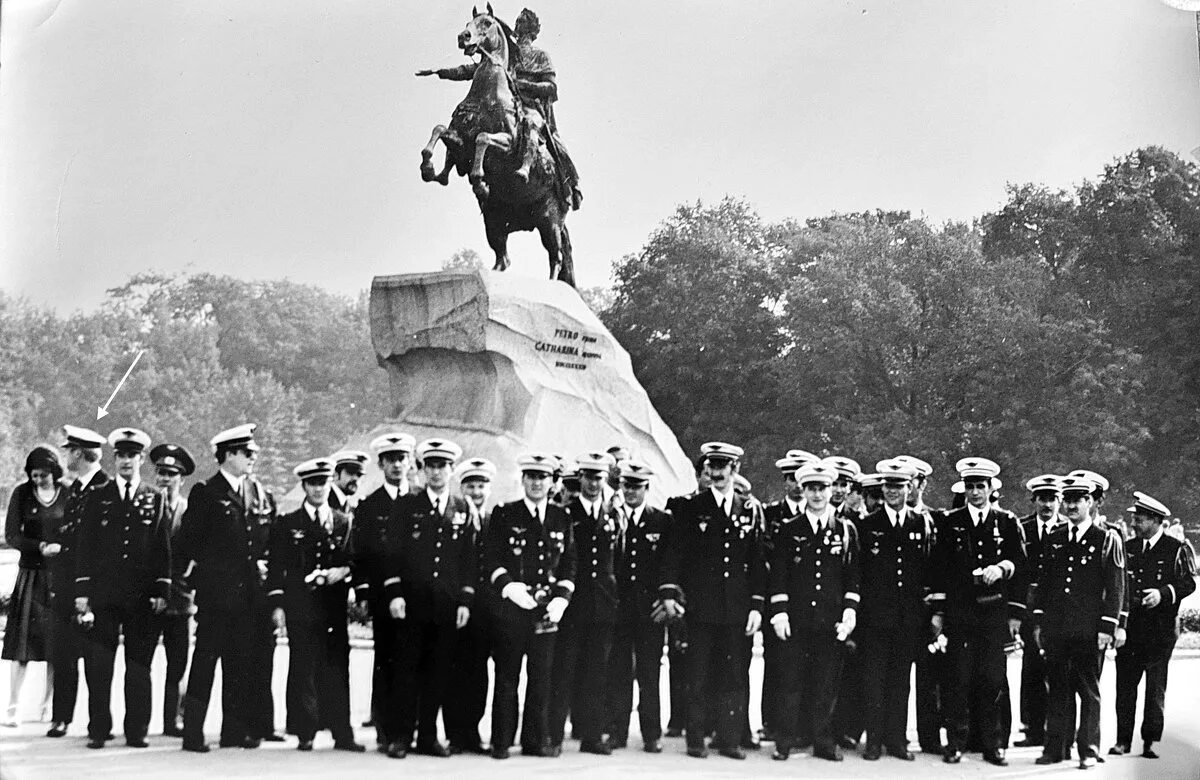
281 139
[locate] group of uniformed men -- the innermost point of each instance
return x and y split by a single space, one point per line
851 578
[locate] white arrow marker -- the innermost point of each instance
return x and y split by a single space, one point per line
101 411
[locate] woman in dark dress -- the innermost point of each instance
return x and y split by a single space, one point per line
36 507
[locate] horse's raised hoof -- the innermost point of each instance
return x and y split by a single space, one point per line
443 179
501 265
427 173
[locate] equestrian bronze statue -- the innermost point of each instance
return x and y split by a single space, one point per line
504 138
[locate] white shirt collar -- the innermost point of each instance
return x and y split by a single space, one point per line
980 514
316 513
1079 530
235 482
896 518
817 520
537 510
85 478
133 483
724 500
635 513
392 490
590 506
1154 539
435 497
794 507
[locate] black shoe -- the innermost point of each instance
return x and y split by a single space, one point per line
245 742
172 731
672 733
1119 749
532 752
398 749
1147 752
550 751
735 752
136 742
195 747
1048 758
354 747
499 753
848 743
435 749
1030 742
597 747
902 753
95 743
273 737
995 757
780 755
952 756
872 752
619 744
304 745
829 754
57 729
456 750
698 752
652 746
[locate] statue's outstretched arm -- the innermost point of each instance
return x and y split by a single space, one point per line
464 72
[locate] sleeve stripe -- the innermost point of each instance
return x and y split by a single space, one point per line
1172 589
1106 617
852 596
498 573
937 596
164 579
276 592
392 581
1016 604
779 597
468 589
670 585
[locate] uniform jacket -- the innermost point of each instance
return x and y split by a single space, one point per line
1170 567
894 566
813 577
226 535
62 566
1034 545
714 564
182 597
640 553
374 541
125 548
297 546
595 599
1080 586
961 548
516 549
433 565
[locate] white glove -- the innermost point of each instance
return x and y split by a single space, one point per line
396 608
518 593
1119 638
992 574
753 622
782 625
846 627
556 608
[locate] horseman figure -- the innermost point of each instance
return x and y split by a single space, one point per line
528 181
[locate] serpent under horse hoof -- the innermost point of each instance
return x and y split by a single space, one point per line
516 189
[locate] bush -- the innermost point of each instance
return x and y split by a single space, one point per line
1189 619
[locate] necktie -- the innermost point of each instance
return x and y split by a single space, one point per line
128 490
537 516
1145 546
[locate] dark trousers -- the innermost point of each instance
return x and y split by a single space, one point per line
516 640
933 670
581 654
677 642
261 704
68 641
318 682
636 655
98 658
173 629
1035 687
849 717
1133 661
1073 666
220 635
715 664
977 681
812 675
385 715
466 697
423 652
886 661
772 691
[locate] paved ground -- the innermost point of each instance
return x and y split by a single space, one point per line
26 753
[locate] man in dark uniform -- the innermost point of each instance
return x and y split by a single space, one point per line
1161 573
172 463
430 588
348 470
529 562
1045 494
308 569
896 544
814 581
123 577
978 588
639 630
585 637
466 699
1077 601
69 636
714 565
846 498
775 514
372 541
224 535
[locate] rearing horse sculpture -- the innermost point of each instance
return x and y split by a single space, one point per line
481 143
